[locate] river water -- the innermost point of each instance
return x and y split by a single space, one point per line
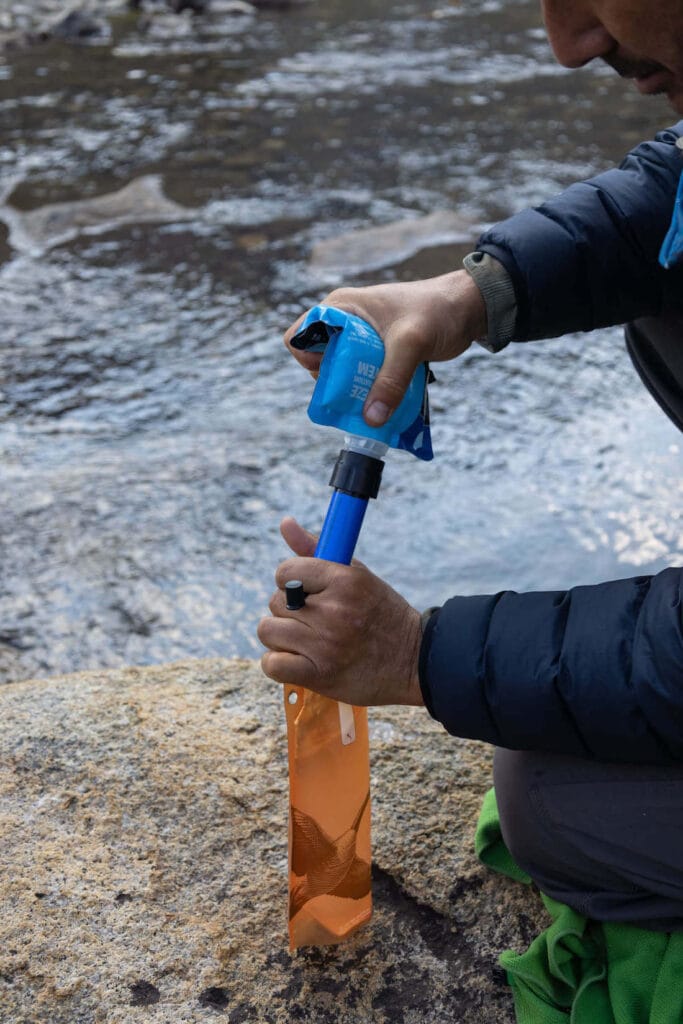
153 430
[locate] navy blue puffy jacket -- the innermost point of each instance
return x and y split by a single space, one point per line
588 257
595 671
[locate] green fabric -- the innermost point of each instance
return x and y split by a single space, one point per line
580 971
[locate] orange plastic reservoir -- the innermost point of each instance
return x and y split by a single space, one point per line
329 819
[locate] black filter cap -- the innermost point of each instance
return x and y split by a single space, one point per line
357 474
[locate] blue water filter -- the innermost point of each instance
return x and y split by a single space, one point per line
341 527
356 478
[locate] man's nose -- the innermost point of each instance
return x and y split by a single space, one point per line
575 32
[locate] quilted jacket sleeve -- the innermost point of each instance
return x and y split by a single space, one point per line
588 257
594 671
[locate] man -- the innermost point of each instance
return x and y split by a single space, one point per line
580 691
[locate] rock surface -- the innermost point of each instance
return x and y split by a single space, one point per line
144 852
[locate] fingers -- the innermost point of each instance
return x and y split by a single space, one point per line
283 634
288 669
316 574
283 661
291 331
309 360
302 542
404 351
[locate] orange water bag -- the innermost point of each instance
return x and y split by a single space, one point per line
329 818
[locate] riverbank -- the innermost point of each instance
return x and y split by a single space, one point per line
143 812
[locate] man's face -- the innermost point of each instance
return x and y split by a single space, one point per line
640 39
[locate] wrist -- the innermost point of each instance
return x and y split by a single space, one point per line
468 315
474 308
413 695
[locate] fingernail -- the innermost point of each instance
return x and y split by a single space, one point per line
376 413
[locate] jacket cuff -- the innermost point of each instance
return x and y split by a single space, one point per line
428 620
451 669
496 287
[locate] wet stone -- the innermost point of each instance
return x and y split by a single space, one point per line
147 832
385 245
78 26
31 22
140 201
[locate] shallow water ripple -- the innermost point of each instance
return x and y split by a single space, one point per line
152 428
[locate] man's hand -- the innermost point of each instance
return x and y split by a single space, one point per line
433 320
356 640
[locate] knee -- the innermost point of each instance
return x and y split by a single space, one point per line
516 774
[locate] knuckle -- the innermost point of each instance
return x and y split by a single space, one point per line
358 622
390 387
342 296
283 573
413 337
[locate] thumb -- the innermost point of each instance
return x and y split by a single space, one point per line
299 540
400 362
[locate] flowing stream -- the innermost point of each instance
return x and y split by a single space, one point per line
153 430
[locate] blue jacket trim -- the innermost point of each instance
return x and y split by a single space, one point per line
672 247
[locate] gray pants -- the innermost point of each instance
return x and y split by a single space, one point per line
606 839
655 345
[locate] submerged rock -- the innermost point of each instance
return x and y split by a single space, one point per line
279 5
388 244
195 6
38 21
80 26
141 201
144 816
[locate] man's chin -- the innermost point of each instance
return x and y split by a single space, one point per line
675 98
656 80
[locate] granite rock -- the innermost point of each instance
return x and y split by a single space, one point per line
143 839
